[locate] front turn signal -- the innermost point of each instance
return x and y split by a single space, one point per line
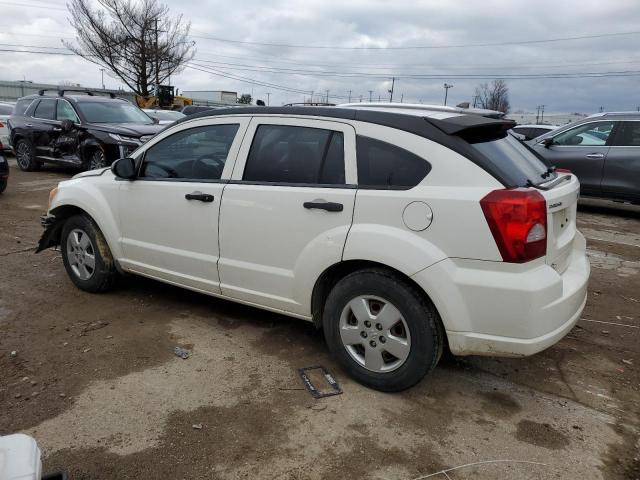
52 195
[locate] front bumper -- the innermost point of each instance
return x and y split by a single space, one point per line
501 309
51 235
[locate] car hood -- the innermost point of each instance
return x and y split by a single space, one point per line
130 130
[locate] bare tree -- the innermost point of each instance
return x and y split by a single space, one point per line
494 96
136 40
245 99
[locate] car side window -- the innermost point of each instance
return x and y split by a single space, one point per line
382 165
22 105
589 135
64 111
302 155
628 135
46 109
198 153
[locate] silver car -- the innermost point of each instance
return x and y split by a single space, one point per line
603 150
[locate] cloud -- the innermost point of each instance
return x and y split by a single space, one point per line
376 24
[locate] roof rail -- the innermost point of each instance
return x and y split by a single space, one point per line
61 91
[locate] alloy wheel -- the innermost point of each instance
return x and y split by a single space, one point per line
23 155
81 254
97 160
374 333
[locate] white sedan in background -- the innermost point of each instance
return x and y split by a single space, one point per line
5 112
164 117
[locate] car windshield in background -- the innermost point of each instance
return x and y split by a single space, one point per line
6 109
167 115
516 160
112 112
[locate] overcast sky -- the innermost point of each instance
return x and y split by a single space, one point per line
358 23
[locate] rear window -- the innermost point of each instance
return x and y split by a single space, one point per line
514 160
22 105
6 109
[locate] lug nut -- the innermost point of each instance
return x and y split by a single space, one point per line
367 323
382 339
372 343
363 334
379 326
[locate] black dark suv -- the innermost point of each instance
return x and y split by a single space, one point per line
85 130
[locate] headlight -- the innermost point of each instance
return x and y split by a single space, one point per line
52 196
123 138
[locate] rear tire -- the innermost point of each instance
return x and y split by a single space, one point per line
26 156
384 332
86 255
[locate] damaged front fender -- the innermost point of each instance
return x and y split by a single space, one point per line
52 231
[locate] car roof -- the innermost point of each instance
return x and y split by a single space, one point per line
532 125
631 115
423 110
77 98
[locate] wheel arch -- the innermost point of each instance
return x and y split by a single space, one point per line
333 274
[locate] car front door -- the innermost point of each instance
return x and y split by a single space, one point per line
169 213
583 150
622 167
286 213
44 128
65 146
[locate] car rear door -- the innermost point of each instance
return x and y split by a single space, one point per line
622 166
169 213
45 129
286 213
583 150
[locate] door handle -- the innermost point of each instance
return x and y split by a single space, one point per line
201 197
595 156
28 124
57 129
328 206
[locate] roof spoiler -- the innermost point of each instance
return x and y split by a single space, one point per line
61 92
473 128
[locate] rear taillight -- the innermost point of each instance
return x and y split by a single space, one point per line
1 125
518 221
562 170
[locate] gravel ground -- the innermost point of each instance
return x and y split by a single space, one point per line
96 382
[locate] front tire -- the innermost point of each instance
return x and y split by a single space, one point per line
382 330
86 255
26 156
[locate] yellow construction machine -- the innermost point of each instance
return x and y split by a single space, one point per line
165 98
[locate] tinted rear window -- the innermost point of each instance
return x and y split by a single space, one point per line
515 160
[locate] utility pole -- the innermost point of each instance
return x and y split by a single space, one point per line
311 96
538 115
327 95
268 96
102 71
601 109
447 86
157 59
393 82
349 96
361 101
541 113
401 97
370 93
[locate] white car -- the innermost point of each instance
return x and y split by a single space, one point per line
164 117
5 112
394 232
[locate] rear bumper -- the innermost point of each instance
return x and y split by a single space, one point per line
495 308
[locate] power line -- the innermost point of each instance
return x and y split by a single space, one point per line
419 47
17 4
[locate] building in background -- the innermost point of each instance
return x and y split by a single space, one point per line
10 91
211 97
533 118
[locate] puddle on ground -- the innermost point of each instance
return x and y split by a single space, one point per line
610 261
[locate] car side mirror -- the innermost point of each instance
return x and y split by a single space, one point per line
66 125
155 120
547 142
124 168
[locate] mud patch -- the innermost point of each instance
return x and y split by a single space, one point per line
610 261
499 404
612 236
541 435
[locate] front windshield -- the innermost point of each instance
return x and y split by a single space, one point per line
113 112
